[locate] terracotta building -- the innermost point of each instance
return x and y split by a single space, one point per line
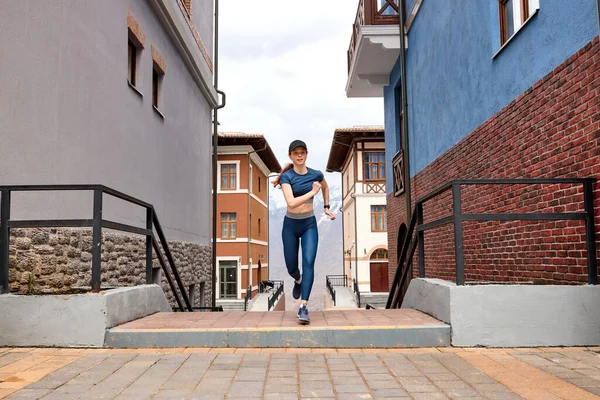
244 164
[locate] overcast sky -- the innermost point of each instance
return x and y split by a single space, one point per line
283 66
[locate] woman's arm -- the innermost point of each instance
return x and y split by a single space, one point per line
325 189
294 202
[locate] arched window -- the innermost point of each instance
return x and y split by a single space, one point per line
379 254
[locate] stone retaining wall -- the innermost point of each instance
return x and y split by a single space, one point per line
57 260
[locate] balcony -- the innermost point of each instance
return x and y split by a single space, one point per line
374 48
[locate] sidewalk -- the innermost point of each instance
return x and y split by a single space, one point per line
431 373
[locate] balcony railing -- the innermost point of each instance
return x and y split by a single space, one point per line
369 13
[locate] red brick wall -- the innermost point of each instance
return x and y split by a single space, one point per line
552 130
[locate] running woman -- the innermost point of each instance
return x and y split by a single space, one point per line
300 185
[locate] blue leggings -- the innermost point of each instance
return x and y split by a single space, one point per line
293 231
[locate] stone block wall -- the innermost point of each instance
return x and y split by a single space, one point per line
48 260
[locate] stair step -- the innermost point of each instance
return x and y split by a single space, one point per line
329 329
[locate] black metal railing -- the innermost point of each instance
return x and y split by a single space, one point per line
329 287
356 291
203 309
96 223
276 294
247 297
338 280
416 229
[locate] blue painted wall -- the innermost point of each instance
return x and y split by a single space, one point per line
454 81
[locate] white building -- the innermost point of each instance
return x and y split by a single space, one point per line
359 154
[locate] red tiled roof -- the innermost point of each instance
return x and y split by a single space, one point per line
258 143
342 143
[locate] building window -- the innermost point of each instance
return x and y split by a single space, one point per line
259 184
132 63
374 166
259 227
513 14
378 219
379 254
228 176
228 225
156 83
250 181
159 67
188 6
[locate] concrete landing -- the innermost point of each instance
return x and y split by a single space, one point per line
329 329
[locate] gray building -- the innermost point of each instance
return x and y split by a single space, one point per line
115 92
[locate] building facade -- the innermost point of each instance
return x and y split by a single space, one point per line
118 93
493 90
244 164
359 155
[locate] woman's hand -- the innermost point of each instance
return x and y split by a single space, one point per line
316 188
330 214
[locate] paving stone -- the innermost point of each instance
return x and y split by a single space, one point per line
205 396
374 370
314 377
459 393
316 393
170 394
283 374
501 396
383 384
28 394
420 388
584 382
355 388
280 396
281 388
246 389
344 374
594 390
457 384
429 396
281 381
389 393
353 396
250 377
414 380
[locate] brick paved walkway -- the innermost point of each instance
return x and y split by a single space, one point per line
194 373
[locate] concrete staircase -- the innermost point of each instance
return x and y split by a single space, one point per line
337 328
232 305
377 300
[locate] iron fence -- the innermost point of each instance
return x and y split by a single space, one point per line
416 229
96 223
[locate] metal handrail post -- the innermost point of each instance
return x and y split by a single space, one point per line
421 240
149 216
458 235
4 240
97 241
590 232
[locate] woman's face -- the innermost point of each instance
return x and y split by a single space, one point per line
298 156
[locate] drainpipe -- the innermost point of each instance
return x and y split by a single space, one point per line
271 175
249 218
402 18
598 12
215 158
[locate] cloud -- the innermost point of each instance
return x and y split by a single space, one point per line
284 67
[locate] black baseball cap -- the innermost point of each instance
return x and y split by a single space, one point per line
297 143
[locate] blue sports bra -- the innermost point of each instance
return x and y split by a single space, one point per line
301 184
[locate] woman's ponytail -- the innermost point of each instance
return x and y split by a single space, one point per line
286 168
